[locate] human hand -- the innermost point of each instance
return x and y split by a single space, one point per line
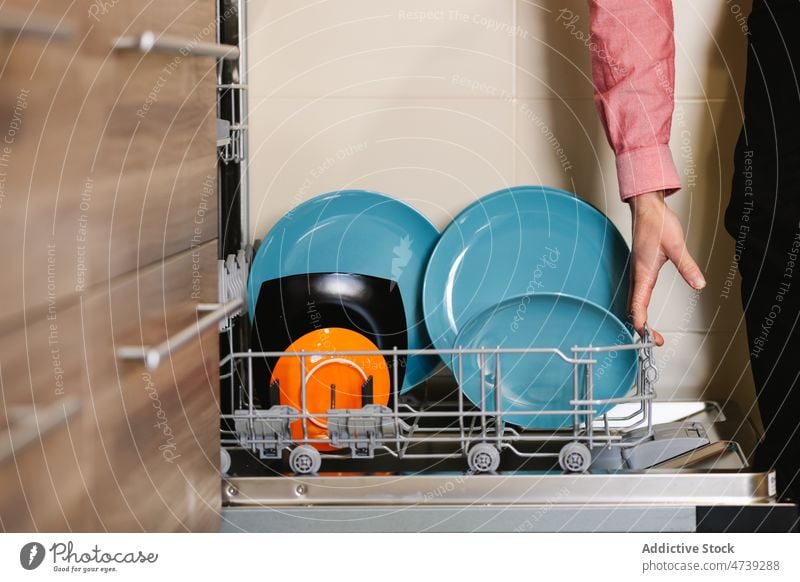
657 238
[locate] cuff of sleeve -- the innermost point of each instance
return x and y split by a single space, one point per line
647 169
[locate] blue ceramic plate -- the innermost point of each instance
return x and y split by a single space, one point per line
540 382
522 240
355 231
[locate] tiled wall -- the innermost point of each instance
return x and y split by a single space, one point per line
443 101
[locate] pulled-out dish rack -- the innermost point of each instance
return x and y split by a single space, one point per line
443 429
428 461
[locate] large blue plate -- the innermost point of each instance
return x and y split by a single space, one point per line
518 241
542 382
355 231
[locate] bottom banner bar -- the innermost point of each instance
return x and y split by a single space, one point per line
350 557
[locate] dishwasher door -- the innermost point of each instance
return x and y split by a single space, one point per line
706 488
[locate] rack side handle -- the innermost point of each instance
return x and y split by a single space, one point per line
14 22
150 42
34 425
152 356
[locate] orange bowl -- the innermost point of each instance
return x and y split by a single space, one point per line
332 381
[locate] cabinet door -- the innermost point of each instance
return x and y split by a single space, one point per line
107 157
154 175
155 433
49 122
108 219
45 468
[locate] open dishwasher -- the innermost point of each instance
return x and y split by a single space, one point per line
433 461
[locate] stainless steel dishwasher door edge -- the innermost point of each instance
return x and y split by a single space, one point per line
485 519
647 488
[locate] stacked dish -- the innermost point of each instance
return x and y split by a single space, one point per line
341 272
531 267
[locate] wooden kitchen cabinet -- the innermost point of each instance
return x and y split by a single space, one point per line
108 212
154 172
112 163
45 466
135 449
48 121
154 433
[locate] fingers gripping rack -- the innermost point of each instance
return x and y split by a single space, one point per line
647 362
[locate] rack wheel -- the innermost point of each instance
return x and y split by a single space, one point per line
575 458
483 458
224 461
305 460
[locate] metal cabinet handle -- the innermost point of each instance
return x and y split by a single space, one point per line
14 22
35 424
152 356
150 42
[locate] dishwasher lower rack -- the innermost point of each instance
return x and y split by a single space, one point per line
450 429
686 494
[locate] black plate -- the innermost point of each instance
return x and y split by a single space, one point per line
290 307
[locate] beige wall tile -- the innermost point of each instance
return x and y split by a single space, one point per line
436 154
710 48
378 47
561 143
553 57
706 366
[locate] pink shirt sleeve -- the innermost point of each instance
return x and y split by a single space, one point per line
633 68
